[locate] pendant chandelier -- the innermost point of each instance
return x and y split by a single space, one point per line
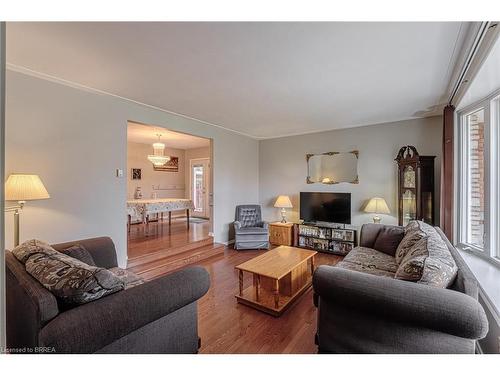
158 159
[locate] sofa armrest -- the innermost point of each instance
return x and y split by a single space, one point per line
237 225
90 327
102 250
439 309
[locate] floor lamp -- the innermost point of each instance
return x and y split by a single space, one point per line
22 188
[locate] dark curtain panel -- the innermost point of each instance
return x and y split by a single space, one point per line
447 175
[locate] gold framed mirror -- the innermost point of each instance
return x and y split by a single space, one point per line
332 167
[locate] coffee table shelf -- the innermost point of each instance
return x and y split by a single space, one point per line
266 302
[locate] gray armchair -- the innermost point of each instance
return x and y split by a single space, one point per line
250 231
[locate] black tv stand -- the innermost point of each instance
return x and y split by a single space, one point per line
328 238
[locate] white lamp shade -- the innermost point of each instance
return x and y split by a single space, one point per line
283 201
25 187
378 206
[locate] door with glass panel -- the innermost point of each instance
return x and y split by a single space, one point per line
199 186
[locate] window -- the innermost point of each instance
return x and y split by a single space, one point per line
474 234
479 173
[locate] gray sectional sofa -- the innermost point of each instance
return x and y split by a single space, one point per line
159 316
371 302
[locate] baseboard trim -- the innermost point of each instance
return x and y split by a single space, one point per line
227 243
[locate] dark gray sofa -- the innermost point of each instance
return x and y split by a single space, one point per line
159 316
359 312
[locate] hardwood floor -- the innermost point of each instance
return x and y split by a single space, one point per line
228 327
162 237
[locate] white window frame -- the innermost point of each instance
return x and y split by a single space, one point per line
491 107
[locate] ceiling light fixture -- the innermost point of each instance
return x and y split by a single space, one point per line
158 158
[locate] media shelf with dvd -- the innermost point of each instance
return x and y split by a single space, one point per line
325 215
327 238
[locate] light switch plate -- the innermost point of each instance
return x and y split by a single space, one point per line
119 173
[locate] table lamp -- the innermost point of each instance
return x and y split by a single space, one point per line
377 206
22 188
283 202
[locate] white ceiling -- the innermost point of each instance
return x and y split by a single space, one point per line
147 134
260 79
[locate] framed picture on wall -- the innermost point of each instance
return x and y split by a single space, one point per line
136 173
170 166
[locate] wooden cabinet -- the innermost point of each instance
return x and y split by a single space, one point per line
416 186
281 233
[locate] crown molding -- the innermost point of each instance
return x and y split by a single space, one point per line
78 86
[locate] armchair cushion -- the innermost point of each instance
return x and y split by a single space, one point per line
248 217
252 230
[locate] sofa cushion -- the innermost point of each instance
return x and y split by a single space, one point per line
71 281
388 239
371 259
28 248
79 252
129 278
365 269
410 238
429 262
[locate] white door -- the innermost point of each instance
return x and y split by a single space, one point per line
199 186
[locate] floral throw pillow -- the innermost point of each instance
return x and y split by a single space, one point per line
428 262
409 240
71 281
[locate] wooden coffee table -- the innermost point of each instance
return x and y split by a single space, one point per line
280 276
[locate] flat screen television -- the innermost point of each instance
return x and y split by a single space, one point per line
326 207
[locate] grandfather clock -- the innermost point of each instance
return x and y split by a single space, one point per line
415 186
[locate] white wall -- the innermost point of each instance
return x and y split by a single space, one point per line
137 154
283 167
76 139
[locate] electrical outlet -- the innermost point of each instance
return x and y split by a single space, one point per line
119 173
